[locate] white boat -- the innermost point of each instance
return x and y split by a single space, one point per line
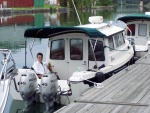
84 55
139 30
7 72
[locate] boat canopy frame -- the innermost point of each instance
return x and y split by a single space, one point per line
134 17
48 32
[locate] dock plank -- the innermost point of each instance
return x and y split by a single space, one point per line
85 108
114 78
144 60
126 92
111 84
103 108
123 88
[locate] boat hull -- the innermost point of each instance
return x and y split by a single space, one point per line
4 94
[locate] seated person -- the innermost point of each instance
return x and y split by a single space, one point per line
39 67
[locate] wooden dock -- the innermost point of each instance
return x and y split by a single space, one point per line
126 92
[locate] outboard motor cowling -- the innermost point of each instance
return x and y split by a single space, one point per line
48 89
28 86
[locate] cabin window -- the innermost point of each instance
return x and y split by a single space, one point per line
121 39
57 51
142 30
76 49
132 28
99 51
111 43
116 38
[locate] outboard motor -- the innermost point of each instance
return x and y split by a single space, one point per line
48 89
28 87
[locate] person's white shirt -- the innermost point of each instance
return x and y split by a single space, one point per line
40 68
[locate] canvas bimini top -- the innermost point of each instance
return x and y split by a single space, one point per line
134 17
92 30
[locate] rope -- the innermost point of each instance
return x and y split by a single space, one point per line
114 48
96 85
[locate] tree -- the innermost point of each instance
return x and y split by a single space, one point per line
63 3
81 3
105 2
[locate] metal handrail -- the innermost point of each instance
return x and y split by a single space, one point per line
93 52
129 30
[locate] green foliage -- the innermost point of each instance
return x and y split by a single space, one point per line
81 3
105 2
130 1
70 19
63 3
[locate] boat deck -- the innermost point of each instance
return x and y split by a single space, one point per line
126 92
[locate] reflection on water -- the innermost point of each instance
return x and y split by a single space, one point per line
12 33
36 107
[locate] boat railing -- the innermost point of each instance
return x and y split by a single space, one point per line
129 30
5 70
125 27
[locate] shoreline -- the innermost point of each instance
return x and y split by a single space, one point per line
47 9
31 10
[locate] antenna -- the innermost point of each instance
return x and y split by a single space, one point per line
76 12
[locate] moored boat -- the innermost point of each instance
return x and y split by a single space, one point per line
139 30
85 55
8 70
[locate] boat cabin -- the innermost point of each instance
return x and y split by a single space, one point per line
92 46
138 28
82 54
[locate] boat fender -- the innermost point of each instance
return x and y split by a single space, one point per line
100 77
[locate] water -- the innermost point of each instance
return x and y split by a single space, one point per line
12 29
